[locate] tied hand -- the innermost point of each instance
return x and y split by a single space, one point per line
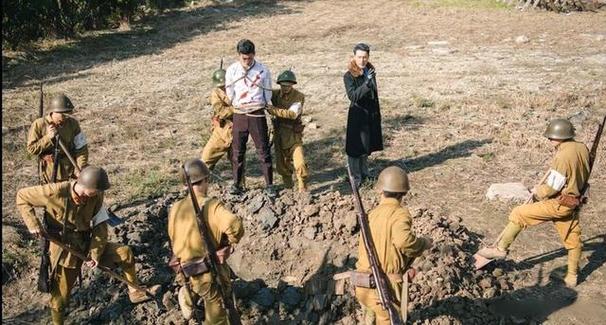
411 273
37 233
223 254
92 263
215 122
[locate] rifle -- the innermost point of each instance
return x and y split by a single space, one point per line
84 258
592 156
227 301
386 298
44 271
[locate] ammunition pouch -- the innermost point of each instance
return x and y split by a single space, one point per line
362 280
569 201
194 267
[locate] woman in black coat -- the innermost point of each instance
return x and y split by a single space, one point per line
364 134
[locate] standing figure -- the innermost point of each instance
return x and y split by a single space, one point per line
390 226
189 248
364 117
288 133
220 140
76 215
558 196
42 138
248 88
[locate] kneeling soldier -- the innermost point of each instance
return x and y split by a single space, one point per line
42 138
189 247
390 225
558 197
76 215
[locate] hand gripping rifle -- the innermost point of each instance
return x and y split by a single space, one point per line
592 156
386 298
211 250
103 268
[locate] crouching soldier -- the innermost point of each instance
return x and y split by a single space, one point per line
390 226
190 251
288 132
42 139
76 215
558 196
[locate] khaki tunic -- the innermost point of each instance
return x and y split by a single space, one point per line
186 243
40 144
220 139
58 201
288 139
390 227
569 172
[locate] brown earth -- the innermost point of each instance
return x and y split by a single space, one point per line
464 103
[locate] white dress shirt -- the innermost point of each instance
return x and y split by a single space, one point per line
249 89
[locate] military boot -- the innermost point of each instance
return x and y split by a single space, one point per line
139 296
287 180
57 317
301 185
574 256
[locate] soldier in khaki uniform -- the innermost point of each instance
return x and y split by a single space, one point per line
219 142
187 244
390 226
41 139
76 215
288 133
557 199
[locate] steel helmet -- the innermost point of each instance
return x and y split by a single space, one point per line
559 129
287 76
393 179
61 104
94 178
219 77
197 171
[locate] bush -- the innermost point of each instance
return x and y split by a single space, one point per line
28 20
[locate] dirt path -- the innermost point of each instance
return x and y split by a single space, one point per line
463 104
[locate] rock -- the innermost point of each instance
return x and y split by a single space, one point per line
489 293
310 211
312 126
310 233
264 298
255 204
522 39
485 283
350 222
319 302
291 296
267 218
443 51
508 192
437 43
497 272
307 119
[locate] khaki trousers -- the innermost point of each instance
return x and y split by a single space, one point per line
289 157
218 145
64 278
204 286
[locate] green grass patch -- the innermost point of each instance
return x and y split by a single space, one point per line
469 4
148 183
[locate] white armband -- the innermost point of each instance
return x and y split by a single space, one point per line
296 108
555 180
101 217
80 141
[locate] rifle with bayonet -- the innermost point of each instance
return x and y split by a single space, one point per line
44 271
211 258
386 298
592 156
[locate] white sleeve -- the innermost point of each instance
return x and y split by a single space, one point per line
80 141
229 87
555 180
267 86
101 217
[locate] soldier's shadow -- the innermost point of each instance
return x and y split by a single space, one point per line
523 306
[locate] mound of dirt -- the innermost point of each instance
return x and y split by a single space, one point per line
285 263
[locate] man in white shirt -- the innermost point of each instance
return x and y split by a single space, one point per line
248 87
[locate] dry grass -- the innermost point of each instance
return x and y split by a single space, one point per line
460 115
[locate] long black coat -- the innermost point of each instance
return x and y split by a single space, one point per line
364 134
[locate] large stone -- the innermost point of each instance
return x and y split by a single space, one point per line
264 298
255 204
508 192
267 218
291 296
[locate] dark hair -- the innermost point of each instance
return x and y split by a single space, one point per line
361 47
394 195
245 46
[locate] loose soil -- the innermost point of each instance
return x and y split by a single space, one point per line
464 101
